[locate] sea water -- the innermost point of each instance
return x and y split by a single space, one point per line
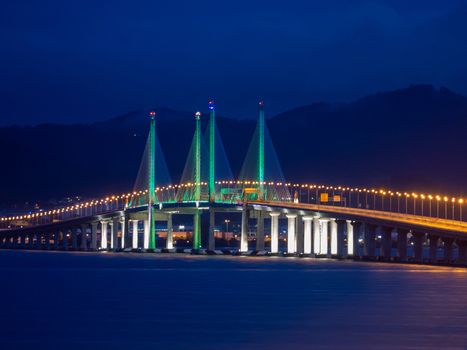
72 300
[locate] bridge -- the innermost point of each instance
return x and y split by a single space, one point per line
322 220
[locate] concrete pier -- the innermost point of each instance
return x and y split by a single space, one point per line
324 239
274 232
316 235
170 232
291 235
448 249
146 234
357 232
94 235
47 241
134 233
350 238
386 242
333 229
341 226
462 252
124 230
260 231
419 238
56 240
244 232
307 235
433 247
402 244
74 238
114 233
212 225
104 226
38 241
84 243
64 239
369 242
299 235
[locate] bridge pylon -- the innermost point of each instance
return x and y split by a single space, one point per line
151 181
261 168
197 178
260 178
212 151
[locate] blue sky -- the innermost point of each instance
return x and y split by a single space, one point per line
71 61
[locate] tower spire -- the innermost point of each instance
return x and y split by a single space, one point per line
151 180
197 180
197 156
212 150
261 150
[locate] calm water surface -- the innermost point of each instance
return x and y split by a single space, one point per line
53 300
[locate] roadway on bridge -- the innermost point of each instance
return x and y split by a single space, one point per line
396 219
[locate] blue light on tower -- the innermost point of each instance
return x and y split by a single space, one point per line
211 104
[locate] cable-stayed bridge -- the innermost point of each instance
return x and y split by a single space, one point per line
322 221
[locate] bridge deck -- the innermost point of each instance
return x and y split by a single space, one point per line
397 219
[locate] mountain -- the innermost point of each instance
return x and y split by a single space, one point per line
411 139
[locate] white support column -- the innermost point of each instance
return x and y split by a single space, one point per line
146 234
274 232
333 227
135 234
307 235
316 235
111 243
244 232
170 232
323 248
291 234
104 225
350 238
123 222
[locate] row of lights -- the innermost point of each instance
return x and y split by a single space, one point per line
97 202
383 192
350 189
238 182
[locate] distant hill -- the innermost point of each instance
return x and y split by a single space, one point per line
414 139
408 139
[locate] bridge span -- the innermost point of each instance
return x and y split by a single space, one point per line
322 221
312 230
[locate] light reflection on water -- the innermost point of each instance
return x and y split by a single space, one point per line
135 301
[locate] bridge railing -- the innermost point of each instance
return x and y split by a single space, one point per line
424 205
78 210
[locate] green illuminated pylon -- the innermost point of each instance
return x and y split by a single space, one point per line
151 180
261 150
212 155
197 180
